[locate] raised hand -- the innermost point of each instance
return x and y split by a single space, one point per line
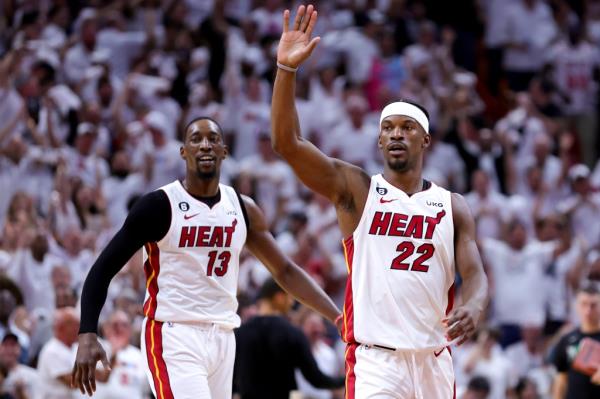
295 45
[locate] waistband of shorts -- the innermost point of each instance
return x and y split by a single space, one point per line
205 325
435 350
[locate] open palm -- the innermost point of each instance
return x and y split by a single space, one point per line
296 45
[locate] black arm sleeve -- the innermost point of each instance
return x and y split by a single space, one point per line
309 368
149 220
558 356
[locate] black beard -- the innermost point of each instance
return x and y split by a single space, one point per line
207 175
398 166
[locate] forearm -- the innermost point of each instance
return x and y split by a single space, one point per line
474 290
285 126
298 283
560 387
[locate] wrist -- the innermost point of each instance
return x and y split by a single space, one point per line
286 68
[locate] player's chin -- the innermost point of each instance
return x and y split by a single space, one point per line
397 163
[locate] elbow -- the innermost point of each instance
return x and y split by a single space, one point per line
284 147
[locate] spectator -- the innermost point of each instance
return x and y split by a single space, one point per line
21 380
570 383
127 377
269 349
478 388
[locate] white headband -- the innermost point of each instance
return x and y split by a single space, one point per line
406 109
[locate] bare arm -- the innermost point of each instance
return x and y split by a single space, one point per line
463 320
559 388
327 176
287 274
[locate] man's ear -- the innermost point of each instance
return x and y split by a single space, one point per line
225 151
426 140
379 144
182 152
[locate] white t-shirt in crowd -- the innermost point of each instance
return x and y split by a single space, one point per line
489 213
24 375
518 280
521 360
56 359
128 377
117 192
328 363
33 278
584 217
443 159
574 74
497 370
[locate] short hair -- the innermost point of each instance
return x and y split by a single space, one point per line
589 287
269 289
479 384
201 118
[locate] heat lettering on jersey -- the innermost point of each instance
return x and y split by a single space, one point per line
207 236
401 225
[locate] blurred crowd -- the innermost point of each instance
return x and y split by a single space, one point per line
94 96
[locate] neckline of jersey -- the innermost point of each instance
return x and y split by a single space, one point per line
198 200
426 186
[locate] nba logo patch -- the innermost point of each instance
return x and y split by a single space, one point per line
381 190
184 206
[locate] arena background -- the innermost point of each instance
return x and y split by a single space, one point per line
94 95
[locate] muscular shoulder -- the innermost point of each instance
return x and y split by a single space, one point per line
461 213
256 218
356 188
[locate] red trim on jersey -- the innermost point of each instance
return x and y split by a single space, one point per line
450 299
348 311
158 367
152 269
350 375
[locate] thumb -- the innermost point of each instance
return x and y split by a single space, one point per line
105 362
313 43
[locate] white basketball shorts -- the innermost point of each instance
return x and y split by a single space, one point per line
188 361
377 373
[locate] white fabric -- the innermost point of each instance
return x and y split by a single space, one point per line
496 370
127 378
327 362
381 373
518 280
405 109
24 375
199 359
191 287
400 286
56 359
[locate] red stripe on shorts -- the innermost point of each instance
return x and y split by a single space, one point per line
450 299
350 376
158 367
348 326
152 269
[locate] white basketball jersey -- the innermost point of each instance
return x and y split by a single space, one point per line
400 262
192 273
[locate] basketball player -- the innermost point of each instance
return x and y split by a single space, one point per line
192 232
405 237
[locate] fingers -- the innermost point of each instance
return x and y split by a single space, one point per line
89 378
298 18
76 378
307 17
311 23
286 20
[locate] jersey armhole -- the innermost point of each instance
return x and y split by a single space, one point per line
244 212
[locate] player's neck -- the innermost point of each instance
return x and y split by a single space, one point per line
588 328
198 187
409 181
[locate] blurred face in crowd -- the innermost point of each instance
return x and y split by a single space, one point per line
64 296
402 141
118 329
85 143
88 33
264 147
480 183
313 327
282 302
60 276
531 335
66 325
7 304
581 186
534 178
39 246
541 149
105 92
203 149
529 391
517 235
588 308
10 351
120 164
